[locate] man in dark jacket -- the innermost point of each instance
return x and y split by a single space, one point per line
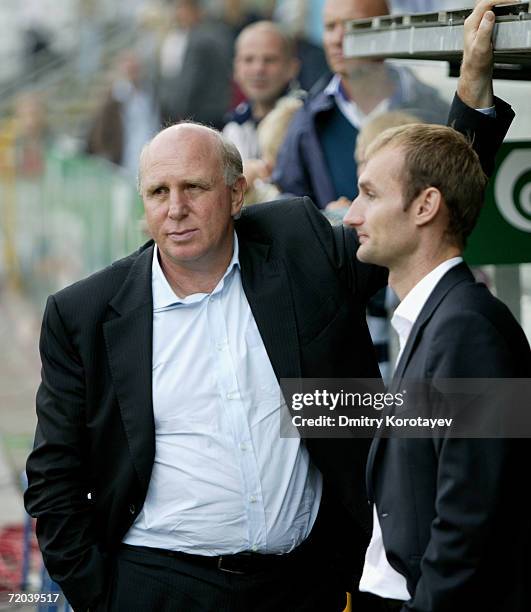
317 158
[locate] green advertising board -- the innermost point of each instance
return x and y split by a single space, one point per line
503 233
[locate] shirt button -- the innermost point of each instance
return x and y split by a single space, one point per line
252 499
254 548
232 395
243 446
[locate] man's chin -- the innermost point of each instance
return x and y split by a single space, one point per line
365 256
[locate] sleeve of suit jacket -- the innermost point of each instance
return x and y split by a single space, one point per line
58 488
341 244
485 132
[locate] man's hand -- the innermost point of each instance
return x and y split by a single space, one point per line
475 82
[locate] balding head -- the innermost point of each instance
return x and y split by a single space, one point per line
202 137
277 35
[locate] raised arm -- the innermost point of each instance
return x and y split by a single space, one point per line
475 91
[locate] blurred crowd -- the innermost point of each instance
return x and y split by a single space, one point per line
270 74
294 108
200 60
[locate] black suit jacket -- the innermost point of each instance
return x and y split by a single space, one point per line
94 445
452 511
94 449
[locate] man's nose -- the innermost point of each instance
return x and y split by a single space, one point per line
178 207
353 218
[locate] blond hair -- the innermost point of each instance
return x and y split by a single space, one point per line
376 126
273 127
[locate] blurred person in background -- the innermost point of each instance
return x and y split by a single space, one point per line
32 142
265 68
194 68
296 16
127 118
32 135
90 39
238 14
317 157
271 134
151 27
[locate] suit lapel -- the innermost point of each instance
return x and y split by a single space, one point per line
266 285
129 342
454 276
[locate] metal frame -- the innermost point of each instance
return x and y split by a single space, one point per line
439 35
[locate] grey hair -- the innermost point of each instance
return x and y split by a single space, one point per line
231 159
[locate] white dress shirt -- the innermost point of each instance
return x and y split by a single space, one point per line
223 480
379 577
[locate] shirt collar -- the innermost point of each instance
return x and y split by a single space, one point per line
401 77
163 295
348 107
333 88
409 308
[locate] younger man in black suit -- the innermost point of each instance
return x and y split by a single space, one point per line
449 533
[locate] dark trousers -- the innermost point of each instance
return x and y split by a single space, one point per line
147 581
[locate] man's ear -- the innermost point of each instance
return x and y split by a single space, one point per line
237 194
428 205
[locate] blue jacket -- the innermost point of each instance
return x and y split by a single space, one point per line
301 168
